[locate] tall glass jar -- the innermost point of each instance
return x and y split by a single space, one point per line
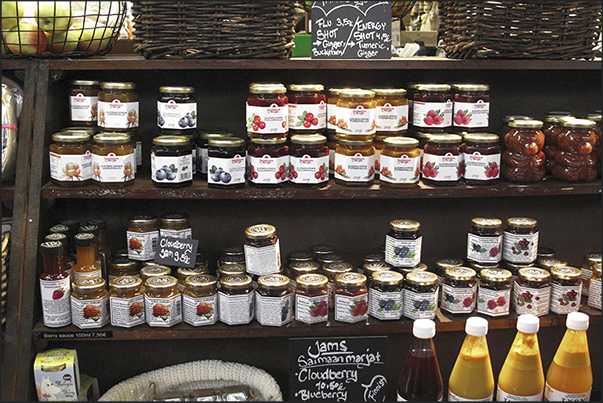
442 160
200 300
385 295
311 299
520 240
432 108
403 244
118 106
307 109
553 125
162 301
226 163
356 114
309 157
273 300
471 111
177 110
566 289
89 303
354 162
523 160
400 162
351 297
262 250
481 158
268 160
113 160
576 160
83 102
126 301
236 299
142 236
70 159
484 241
494 292
267 110
392 111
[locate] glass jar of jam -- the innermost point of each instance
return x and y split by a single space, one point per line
332 145
596 117
372 257
268 160
351 297
273 300
142 237
299 256
442 264
307 109
70 159
202 145
481 158
356 114
379 146
236 299
520 240
423 140
484 241
400 162
321 249
332 110
575 159
547 263
182 273
514 268
154 270
296 269
200 300
309 158
226 162
171 162
532 291
442 160
523 160
392 111
176 110
122 266
553 125
89 303
331 270
385 295
118 106
406 270
594 296
231 269
566 289
471 111
267 110
373 267
311 298
588 263
432 108
162 301
458 290
126 301
262 250
83 102
403 243
231 259
420 295
494 292
175 225
505 129
113 161
354 162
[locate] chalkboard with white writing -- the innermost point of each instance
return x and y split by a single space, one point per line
337 369
176 251
351 30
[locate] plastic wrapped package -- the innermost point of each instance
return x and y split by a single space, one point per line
9 131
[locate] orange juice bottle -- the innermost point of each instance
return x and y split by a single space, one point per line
521 376
471 377
570 376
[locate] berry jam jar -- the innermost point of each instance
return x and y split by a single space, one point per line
231 269
403 244
481 158
299 256
332 110
385 295
520 240
588 264
177 110
332 145
494 292
273 300
118 106
471 111
55 284
369 268
162 301
307 109
70 159
171 162
566 289
126 301
267 110
351 298
505 129
268 160
532 291
458 290
432 108
296 269
356 114
202 147
442 160
141 235
312 299
484 241
226 163
523 160
442 264
113 160
392 111
154 270
331 270
83 102
354 162
236 300
420 295
594 296
553 125
400 162
89 303
309 158
576 160
200 300
262 250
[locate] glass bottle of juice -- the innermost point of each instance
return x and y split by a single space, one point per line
471 377
521 376
420 378
570 376
86 266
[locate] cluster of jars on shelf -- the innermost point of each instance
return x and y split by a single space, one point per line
502 269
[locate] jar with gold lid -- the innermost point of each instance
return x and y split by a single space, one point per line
494 292
459 290
89 303
297 268
126 301
351 297
162 301
481 158
154 270
505 129
471 112
70 159
321 249
309 157
171 162
311 298
231 269
354 162
118 106
420 295
122 266
182 273
331 269
356 114
442 160
369 268
385 295
442 264
141 235
200 300
262 250
299 256
532 291
566 289
372 257
113 160
273 300
392 111
484 241
202 147
236 299
523 160
175 225
594 296
520 240
432 108
226 162
176 110
400 162
403 243
83 102
231 260
307 109
267 110
588 263
514 268
547 263
576 159
406 270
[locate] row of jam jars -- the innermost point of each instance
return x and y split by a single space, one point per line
575 158
267 110
523 160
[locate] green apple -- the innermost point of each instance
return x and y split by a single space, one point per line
12 11
53 15
95 39
63 41
25 39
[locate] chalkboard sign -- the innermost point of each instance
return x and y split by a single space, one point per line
337 369
176 251
351 30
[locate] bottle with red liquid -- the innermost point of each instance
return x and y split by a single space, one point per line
420 378
54 286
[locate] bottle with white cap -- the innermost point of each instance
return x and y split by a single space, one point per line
522 376
471 377
420 378
570 375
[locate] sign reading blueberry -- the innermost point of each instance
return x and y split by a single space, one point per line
176 251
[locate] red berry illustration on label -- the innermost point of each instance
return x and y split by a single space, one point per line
319 309
467 302
501 301
136 309
492 170
58 294
429 170
462 117
359 308
433 117
492 304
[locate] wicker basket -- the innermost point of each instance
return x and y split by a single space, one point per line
213 29
520 30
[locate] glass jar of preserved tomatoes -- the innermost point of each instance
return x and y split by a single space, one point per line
351 297
484 241
118 106
458 290
177 110
70 159
400 162
162 301
309 157
532 291
385 295
505 129
588 263
354 162
273 300
594 296
575 159
296 269
432 108
403 244
311 298
520 240
420 295
523 161
236 299
471 111
481 158
200 300
175 225
356 114
126 301
566 289
307 109
171 162
89 303
226 162
442 160
267 110
262 250
392 111
122 266
83 101
494 292
113 161
269 164
142 236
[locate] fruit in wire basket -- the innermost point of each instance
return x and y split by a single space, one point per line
25 38
95 39
12 12
63 42
53 16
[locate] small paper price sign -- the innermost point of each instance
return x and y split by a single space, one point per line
176 251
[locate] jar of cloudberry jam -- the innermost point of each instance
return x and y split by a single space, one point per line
309 159
432 108
226 163
520 240
307 109
494 292
392 111
262 250
200 300
385 295
113 160
420 295
268 162
505 129
566 289
481 158
351 297
458 290
162 301
122 266
83 101
118 106
354 162
356 114
70 159
400 162
153 270
442 160
126 301
311 299
523 160
177 110
332 111
141 235
175 225
89 303
471 111
236 299
273 300
484 241
182 273
532 291
403 244
267 110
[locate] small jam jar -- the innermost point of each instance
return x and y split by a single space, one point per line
307 109
520 240
70 159
200 300
566 289
481 158
420 295
553 125
182 273
594 296
296 269
142 237
273 300
311 299
171 162
442 160
505 129
368 269
331 270
113 160
268 160
471 111
83 102
126 301
309 158
494 292
122 266
236 299
202 147
231 269
354 162
321 249
267 110
89 303
385 295
484 241
514 268
175 225
299 256
576 160
162 301
226 163
351 297
154 270
332 110
400 162
588 263
458 290
523 160
532 291
392 111
547 263
262 250
118 106
432 108
332 145
444 263
356 114
403 244
177 110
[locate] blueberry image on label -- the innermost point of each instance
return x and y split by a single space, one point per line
160 119
191 119
160 174
183 122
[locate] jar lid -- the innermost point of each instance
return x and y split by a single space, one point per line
233 250
235 281
350 279
481 222
111 138
308 139
445 138
421 277
447 262
306 87
478 267
496 275
84 82
510 118
226 142
422 135
579 123
514 267
257 88
88 284
305 267
125 282
471 87
61 228
232 259
374 267
312 280
544 251
71 136
528 323
123 263
51 247
273 281
559 113
399 141
299 256
274 140
433 87
577 321
154 270
120 252
356 93
330 258
533 274
548 263
521 222
191 271
200 281
57 236
170 141
215 135
460 273
387 277
89 130
350 142
476 326
101 223
176 90
597 268
420 267
424 329
596 116
556 118
481 137
84 239
592 258
175 218
322 249
526 124
566 272
260 231
404 225
117 86
230 269
373 257
337 90
93 229
337 267
161 282
389 91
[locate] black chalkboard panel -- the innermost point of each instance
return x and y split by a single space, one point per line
337 369
351 30
176 251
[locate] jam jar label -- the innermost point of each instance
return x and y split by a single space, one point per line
447 167
594 297
71 167
520 248
127 312
385 305
351 309
95 273
83 108
236 309
263 260
355 168
142 245
484 249
458 299
531 300
359 120
174 115
90 313
308 117
565 299
419 305
200 311
392 118
226 171
267 120
471 114
171 169
432 114
481 167
202 159
311 309
308 170
273 311
267 170
117 114
587 274
163 312
56 305
331 116
403 252
493 302
113 168
186 233
403 169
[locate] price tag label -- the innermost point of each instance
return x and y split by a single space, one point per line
176 251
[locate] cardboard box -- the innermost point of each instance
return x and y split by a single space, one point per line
429 38
57 375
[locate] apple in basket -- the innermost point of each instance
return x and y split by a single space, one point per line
95 39
53 15
12 11
63 41
25 39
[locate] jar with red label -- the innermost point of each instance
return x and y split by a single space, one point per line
481 158
459 290
484 241
432 108
351 297
523 160
400 162
269 164
471 111
118 106
566 289
311 299
262 250
267 110
354 162
226 163
307 109
575 160
392 111
596 117
532 291
520 240
505 129
442 160
83 100
356 114
494 292
553 125
273 300
309 159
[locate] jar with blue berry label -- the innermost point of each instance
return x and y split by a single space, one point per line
403 243
385 295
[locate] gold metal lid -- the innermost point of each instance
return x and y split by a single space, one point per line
373 257
337 90
549 262
312 280
273 281
309 266
433 87
510 118
356 93
159 283
170 141
273 140
200 281
154 270
579 123
447 262
595 116
389 91
566 272
125 283
308 139
404 225
306 87
88 284
471 87
235 281
322 249
111 138
544 251
184 272
521 222
445 138
496 275
399 141
350 142
258 88
421 266
592 258
387 277
481 137
350 279
329 258
84 82
226 142
597 269
337 267
71 136
260 231
526 124
176 90
460 273
481 222
373 267
556 118
419 277
215 135
478 267
143 219
117 86
231 269
299 256
533 274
